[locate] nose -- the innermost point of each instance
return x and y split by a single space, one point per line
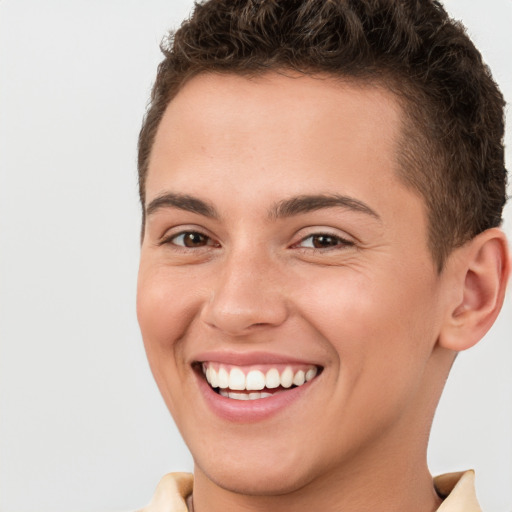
247 295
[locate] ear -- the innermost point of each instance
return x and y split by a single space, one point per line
478 277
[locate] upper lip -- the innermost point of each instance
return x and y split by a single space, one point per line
249 358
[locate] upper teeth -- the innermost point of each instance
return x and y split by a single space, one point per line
253 380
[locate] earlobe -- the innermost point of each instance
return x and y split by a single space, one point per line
481 267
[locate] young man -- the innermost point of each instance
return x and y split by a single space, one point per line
322 185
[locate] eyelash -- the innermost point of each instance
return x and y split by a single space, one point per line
172 240
339 241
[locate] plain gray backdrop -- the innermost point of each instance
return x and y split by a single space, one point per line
82 425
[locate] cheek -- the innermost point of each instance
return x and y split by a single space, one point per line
164 308
163 314
379 328
375 305
155 311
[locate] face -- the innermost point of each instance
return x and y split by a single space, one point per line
287 299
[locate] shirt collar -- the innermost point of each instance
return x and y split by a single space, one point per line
458 489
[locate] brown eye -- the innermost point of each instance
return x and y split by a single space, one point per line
191 239
324 241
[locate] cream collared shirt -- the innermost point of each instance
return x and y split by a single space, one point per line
459 489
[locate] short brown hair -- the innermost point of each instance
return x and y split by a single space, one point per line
451 151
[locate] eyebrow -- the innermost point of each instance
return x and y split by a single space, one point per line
285 208
183 202
308 203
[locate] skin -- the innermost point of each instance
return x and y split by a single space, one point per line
368 306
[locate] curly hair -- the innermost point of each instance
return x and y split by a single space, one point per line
451 150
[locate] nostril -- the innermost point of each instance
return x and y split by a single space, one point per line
238 324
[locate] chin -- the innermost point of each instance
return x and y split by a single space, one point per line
262 466
265 480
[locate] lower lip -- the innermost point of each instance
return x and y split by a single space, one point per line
244 411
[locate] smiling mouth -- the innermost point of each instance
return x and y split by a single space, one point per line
256 382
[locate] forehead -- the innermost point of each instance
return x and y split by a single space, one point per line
282 90
277 119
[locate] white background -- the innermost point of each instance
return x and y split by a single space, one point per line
82 425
